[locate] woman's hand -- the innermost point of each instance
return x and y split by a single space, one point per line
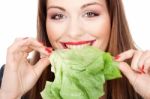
138 73
19 75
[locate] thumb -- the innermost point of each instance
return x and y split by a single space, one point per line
41 65
128 72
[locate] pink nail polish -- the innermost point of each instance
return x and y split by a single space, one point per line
48 49
117 57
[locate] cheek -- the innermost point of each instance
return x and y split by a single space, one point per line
54 30
100 28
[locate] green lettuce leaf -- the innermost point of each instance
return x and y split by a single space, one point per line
80 73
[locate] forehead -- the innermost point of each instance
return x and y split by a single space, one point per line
71 3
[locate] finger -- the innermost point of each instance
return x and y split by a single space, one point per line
128 72
18 45
135 60
135 55
13 55
32 43
146 65
18 39
12 48
145 55
38 46
20 48
27 45
41 65
125 55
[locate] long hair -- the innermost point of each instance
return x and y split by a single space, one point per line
120 40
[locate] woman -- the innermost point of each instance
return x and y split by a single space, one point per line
72 23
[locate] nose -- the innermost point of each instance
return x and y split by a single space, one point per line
74 29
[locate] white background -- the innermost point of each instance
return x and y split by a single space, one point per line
18 19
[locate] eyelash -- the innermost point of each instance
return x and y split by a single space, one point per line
89 14
57 16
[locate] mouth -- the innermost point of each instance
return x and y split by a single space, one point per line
79 44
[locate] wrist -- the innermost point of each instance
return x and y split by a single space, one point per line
6 95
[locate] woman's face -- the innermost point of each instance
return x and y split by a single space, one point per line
77 23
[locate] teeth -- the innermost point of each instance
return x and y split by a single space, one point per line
77 46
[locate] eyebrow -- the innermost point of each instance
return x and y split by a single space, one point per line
92 3
85 5
57 7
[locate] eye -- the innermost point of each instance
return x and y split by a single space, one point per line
57 16
91 14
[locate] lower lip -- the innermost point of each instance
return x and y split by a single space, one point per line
78 43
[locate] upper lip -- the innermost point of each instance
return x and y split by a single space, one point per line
77 43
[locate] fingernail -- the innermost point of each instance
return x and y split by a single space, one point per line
48 49
25 38
117 57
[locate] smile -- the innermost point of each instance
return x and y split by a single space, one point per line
80 44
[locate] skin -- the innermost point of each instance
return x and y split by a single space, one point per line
20 76
84 20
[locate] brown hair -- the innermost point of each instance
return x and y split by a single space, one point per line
120 40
